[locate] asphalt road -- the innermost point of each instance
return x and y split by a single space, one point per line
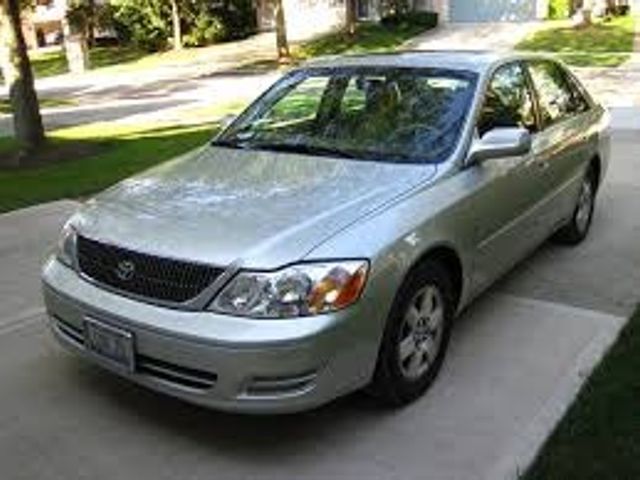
517 357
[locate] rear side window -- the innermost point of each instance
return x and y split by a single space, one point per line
579 98
558 99
508 101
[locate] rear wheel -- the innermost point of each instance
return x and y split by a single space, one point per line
577 229
417 335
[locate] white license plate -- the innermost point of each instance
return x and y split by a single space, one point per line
108 343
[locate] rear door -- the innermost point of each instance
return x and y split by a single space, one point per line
562 146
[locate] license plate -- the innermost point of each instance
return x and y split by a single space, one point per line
109 343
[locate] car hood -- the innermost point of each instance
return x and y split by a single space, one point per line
258 208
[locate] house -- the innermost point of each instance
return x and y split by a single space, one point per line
42 25
306 18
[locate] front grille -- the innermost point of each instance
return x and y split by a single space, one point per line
141 274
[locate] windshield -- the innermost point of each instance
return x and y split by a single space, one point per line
384 114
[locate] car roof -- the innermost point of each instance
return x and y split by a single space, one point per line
478 61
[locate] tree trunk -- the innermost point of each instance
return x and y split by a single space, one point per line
352 16
91 23
177 30
75 45
611 7
27 121
284 54
587 13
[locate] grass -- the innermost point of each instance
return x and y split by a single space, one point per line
55 63
599 438
603 44
122 151
369 37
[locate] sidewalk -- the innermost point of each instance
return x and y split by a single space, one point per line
117 81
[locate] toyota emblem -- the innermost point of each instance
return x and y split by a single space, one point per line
125 270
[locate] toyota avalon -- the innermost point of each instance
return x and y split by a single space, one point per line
327 238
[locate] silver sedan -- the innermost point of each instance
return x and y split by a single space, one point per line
325 240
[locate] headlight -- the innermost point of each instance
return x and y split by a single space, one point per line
296 291
66 248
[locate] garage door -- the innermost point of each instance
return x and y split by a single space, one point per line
492 10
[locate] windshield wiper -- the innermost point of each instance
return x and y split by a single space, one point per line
303 148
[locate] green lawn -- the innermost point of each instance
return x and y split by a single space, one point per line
603 44
55 63
118 152
599 438
370 37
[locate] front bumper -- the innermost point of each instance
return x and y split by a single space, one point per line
228 363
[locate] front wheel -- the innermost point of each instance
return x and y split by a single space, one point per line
416 336
577 229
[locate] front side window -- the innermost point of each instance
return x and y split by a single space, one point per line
557 101
380 114
508 101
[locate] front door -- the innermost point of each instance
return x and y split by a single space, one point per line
507 190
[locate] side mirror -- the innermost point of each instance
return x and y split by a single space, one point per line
501 143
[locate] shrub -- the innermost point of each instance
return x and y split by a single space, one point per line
220 21
206 29
559 9
147 23
421 19
239 18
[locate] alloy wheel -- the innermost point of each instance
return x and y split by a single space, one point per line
585 205
421 332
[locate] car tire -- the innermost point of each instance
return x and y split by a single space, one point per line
577 229
418 330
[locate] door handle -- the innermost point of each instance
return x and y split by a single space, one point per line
542 164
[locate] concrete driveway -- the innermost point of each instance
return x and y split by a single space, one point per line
517 358
474 36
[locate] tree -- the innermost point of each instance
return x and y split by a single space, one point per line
587 12
75 26
27 121
352 16
177 32
284 54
